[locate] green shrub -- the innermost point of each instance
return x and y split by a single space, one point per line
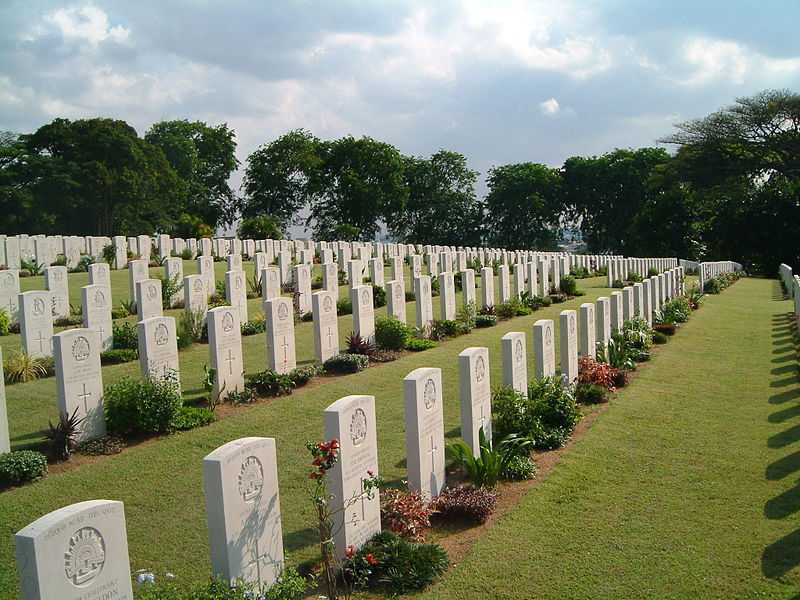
634 277
254 327
19 367
519 468
5 322
191 324
307 317
486 469
618 284
444 328
652 272
269 383
118 356
346 363
512 308
302 375
569 285
665 328
659 338
546 301
676 310
20 466
189 417
485 320
169 287
378 296
141 407
416 344
186 254
344 307
395 565
589 393
125 336
69 321
290 585
391 334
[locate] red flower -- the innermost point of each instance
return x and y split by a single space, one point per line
371 560
350 551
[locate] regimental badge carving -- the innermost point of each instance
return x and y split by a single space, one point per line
227 322
99 299
548 336
85 556
358 427
283 311
480 369
199 286
161 334
7 280
365 297
80 349
38 306
152 292
327 304
429 395
571 324
251 479
519 353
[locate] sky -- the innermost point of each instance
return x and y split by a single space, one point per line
500 82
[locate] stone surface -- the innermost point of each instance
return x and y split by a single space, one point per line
149 303
424 303
280 335
55 279
326 325
173 270
330 278
205 267
587 339
568 345
468 288
424 417
236 293
487 287
616 311
96 301
9 293
240 484
36 323
79 552
225 349
138 270
363 311
158 349
627 303
270 283
396 300
505 283
351 420
515 361
79 381
100 274
476 396
195 297
302 287
544 348
447 296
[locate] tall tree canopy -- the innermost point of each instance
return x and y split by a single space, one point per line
523 206
441 204
204 157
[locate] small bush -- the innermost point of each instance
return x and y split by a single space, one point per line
465 502
485 320
589 393
676 310
378 296
70 321
5 322
61 436
652 272
659 338
395 565
189 417
125 336
391 334
593 372
346 363
21 466
519 468
618 284
634 277
665 328
444 328
405 513
302 375
141 407
569 285
21 368
191 325
307 317
358 345
289 586
254 327
269 383
344 307
416 344
512 308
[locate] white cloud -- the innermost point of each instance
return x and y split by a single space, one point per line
549 107
86 23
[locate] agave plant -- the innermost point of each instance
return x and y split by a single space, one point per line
61 436
254 287
21 368
33 267
358 345
129 306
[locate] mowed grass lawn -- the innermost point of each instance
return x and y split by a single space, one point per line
160 482
687 487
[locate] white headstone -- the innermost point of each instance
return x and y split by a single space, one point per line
270 283
173 270
351 420
487 287
149 304
225 348
236 293
363 311
100 274
280 335
476 396
96 302
76 552
588 332
569 345
195 297
55 279
424 431
138 270
302 287
616 311
158 349
544 348
205 267
515 361
79 381
9 292
396 300
422 293
447 296
326 325
36 324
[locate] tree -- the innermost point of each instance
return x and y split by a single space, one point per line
204 158
282 177
442 207
361 183
91 176
261 227
522 206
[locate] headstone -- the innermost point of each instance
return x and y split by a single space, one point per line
616 311
270 283
195 297
236 293
447 296
9 293
120 252
487 287
205 267
351 420
638 300
468 288
424 431
627 303
543 268
240 484
158 349
173 271
363 311
302 287
77 552
376 272
145 247
396 300
505 284
424 304
280 335
100 274
587 343
544 348
355 271
517 282
13 253
647 301
96 302
138 270
326 325
569 345
79 381
36 323
234 262
515 361
330 278
225 347
149 303
55 279
476 396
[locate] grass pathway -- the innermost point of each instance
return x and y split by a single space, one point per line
687 487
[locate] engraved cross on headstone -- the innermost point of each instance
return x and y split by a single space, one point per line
432 452
285 347
330 343
230 360
84 396
40 339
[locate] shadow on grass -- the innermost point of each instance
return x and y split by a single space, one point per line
783 555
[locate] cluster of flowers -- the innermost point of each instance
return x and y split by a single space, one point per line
325 456
597 373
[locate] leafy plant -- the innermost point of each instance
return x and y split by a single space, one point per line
418 344
125 336
486 469
61 436
270 383
302 375
465 502
255 288
109 253
346 363
5 322
378 296
344 306
21 466
128 307
569 285
141 406
594 372
442 329
190 325
519 468
659 338
589 393
512 308
359 345
405 513
31 266
485 320
391 333
674 311
84 262
170 286
190 417
21 368
617 353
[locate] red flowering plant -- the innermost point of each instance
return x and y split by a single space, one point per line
596 373
324 456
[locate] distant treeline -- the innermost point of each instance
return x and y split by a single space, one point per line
729 191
